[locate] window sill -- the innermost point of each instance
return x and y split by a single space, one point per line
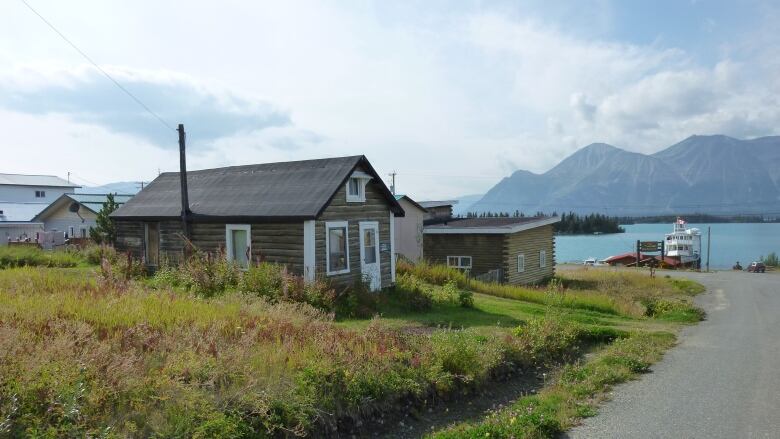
334 273
355 200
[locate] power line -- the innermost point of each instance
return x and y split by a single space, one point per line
138 101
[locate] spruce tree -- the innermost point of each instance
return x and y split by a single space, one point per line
104 231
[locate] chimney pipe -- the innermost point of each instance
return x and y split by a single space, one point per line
185 198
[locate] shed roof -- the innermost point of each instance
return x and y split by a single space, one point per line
411 201
441 203
489 225
282 191
93 202
18 212
34 180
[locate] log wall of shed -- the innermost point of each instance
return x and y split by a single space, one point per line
486 250
529 243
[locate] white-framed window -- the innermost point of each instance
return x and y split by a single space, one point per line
356 187
461 262
40 194
337 247
520 263
238 238
542 258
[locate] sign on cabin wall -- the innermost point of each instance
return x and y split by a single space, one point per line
132 241
384 247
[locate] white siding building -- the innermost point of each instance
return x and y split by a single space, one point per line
62 216
409 229
24 196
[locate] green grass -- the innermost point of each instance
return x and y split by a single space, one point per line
21 256
202 353
575 394
687 286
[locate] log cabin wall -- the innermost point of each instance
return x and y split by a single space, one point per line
529 243
375 208
486 250
280 243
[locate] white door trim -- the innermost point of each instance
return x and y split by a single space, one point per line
309 247
363 225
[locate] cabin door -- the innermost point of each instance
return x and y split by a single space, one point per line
369 254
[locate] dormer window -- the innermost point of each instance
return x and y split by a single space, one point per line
356 187
40 194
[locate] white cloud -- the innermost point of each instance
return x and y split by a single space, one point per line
452 98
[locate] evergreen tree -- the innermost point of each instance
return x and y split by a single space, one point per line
104 231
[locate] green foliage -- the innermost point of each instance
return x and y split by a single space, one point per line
104 231
208 276
574 224
29 256
687 286
573 396
548 338
673 310
771 260
413 293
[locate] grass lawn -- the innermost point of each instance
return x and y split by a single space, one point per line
207 351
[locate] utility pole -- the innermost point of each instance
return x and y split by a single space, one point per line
140 185
392 185
68 176
709 234
185 199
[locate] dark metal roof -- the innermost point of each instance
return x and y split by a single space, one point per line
488 225
282 191
434 204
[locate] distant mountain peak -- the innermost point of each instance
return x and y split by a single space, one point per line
703 173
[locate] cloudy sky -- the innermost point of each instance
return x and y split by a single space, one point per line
451 95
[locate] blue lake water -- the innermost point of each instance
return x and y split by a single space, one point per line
730 242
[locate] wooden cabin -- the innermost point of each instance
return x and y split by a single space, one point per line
329 218
506 250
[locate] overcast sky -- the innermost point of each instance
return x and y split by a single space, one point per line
453 95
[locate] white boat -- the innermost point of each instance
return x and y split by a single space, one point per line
684 244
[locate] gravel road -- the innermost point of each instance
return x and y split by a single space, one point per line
721 381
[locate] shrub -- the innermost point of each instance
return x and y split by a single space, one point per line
548 338
413 293
435 274
28 256
771 260
673 310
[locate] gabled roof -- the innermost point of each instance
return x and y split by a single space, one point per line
412 202
34 180
282 191
19 212
442 203
91 202
457 226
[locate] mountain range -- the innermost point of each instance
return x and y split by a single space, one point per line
702 174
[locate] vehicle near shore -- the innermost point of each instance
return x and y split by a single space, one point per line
756 267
